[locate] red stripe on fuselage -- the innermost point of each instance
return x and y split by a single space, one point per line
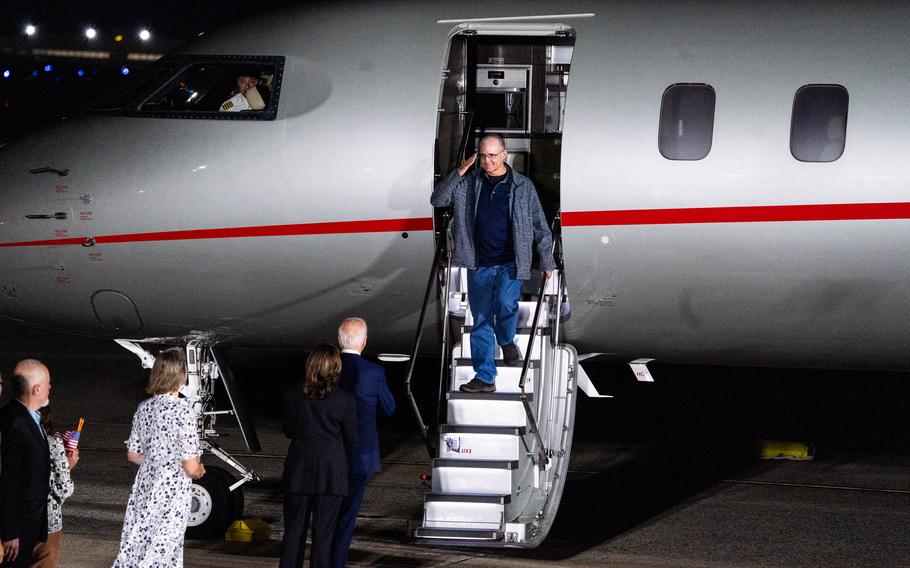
755 214
331 228
704 215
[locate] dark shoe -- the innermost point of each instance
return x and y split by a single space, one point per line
511 354
476 385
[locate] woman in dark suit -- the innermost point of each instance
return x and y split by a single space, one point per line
321 422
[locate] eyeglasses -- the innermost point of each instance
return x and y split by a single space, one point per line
492 155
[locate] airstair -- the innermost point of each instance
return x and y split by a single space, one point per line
500 459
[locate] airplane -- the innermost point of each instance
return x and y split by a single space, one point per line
729 179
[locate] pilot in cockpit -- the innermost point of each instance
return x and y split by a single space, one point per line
251 94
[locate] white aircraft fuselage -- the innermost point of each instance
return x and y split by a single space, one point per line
269 232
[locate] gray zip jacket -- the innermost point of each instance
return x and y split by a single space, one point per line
529 224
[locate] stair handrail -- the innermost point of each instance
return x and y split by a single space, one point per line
441 249
446 352
542 458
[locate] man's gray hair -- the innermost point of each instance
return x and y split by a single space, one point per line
352 333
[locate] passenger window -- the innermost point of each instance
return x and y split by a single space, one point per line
187 86
686 122
818 127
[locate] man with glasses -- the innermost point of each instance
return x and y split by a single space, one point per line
497 222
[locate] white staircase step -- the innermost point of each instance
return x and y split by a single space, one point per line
458 534
480 442
464 511
506 378
521 340
481 477
525 315
486 409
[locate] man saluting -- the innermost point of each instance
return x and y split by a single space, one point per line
497 220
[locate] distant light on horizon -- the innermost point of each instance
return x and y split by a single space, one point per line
6 73
124 70
30 30
80 73
118 37
145 35
91 33
48 68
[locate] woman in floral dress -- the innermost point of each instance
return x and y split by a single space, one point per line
164 443
47 554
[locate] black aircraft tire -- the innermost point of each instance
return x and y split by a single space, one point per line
236 500
213 505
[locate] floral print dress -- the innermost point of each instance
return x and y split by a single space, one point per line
164 432
61 484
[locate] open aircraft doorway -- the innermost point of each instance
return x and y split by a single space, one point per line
513 81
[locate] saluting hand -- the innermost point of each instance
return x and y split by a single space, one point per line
466 165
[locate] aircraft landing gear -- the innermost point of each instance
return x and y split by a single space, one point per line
214 506
217 498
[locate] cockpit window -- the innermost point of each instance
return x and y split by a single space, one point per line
225 88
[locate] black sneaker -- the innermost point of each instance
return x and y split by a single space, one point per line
511 354
476 385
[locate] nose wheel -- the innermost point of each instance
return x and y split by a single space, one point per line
213 505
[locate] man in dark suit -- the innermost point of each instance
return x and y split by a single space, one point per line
368 383
25 464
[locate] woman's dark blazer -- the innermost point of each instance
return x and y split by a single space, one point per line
321 431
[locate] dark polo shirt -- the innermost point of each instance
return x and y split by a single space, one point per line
493 221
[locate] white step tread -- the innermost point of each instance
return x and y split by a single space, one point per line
479 464
507 378
524 330
465 361
463 348
486 409
501 396
525 316
482 443
467 429
468 498
458 534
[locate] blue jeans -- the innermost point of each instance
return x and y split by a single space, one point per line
493 294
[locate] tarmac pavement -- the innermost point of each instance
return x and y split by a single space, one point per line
663 475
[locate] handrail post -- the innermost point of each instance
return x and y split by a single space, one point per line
446 349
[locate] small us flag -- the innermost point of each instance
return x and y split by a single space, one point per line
71 440
71 437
